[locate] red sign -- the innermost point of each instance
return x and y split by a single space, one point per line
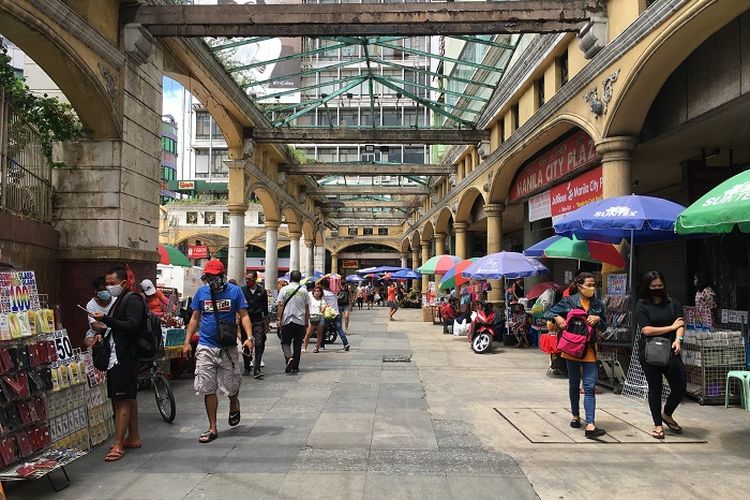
186 185
577 192
197 252
350 264
573 153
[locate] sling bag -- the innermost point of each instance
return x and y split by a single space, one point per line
226 333
659 349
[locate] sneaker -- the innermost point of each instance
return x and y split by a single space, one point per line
262 364
346 347
289 365
257 373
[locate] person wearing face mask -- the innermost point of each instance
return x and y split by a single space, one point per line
582 296
659 315
125 318
101 302
257 308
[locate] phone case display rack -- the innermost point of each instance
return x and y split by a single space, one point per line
615 343
708 357
45 395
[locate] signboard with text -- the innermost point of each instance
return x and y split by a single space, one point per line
197 252
577 192
575 152
350 264
185 185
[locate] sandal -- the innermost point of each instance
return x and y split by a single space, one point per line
657 434
114 454
207 437
131 444
234 418
673 426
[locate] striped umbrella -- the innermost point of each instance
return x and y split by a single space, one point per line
439 264
559 247
452 278
171 255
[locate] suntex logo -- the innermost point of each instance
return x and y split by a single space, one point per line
740 192
616 212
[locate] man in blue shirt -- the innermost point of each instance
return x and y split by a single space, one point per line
217 367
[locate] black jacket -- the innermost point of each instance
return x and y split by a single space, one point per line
257 303
126 318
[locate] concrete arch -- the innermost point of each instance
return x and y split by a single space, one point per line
685 33
415 241
428 231
292 220
367 241
506 173
74 67
214 238
308 230
467 201
405 245
319 239
443 223
267 201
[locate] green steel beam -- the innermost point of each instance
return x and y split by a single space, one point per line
333 95
490 43
370 82
290 56
428 87
428 104
432 73
306 72
300 89
442 58
240 43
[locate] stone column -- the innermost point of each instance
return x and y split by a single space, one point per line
617 155
425 257
309 257
319 262
439 243
417 284
404 260
334 263
495 244
271 271
236 260
294 251
461 246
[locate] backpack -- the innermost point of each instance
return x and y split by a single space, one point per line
574 340
149 341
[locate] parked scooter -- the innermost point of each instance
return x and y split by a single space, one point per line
482 329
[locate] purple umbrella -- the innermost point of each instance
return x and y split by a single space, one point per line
501 265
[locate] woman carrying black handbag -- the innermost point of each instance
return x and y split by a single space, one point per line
662 327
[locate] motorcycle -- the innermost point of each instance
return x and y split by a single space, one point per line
330 335
482 329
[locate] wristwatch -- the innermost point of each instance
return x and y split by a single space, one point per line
679 339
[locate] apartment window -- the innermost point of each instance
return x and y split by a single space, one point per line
382 231
261 219
225 218
392 117
327 155
192 217
414 117
205 127
394 155
540 92
209 218
217 166
352 231
414 154
348 154
327 117
367 231
562 62
349 117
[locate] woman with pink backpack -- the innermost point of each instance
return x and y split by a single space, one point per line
579 317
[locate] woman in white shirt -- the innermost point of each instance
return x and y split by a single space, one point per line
317 308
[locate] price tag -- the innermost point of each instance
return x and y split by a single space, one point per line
63 346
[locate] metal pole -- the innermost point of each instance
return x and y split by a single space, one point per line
630 264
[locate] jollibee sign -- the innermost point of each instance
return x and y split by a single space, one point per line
577 192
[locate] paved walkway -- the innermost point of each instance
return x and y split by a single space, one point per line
448 424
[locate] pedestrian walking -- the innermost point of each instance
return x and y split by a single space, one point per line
317 309
659 315
370 297
125 319
217 366
361 295
344 299
257 308
391 300
293 311
332 300
582 298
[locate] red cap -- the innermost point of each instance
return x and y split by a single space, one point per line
213 267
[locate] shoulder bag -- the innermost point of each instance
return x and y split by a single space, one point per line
659 349
101 353
226 333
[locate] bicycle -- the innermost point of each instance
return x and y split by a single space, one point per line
162 389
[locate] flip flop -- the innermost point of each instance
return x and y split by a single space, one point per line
234 418
207 437
657 434
114 454
673 426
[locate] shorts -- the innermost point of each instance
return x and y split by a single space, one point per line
343 308
217 369
122 381
393 304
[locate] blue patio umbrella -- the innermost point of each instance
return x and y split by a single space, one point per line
354 278
405 274
509 265
379 270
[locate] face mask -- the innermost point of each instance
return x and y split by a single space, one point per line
217 282
104 295
250 283
115 290
658 292
587 292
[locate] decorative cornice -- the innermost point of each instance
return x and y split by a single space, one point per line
82 30
633 34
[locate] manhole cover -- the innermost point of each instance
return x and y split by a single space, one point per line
397 358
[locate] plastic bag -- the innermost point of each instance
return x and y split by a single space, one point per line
460 329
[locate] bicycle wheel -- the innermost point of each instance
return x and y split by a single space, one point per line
164 397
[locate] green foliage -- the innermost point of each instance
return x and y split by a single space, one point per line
299 156
53 120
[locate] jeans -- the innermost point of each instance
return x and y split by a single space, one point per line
259 345
339 328
292 336
590 371
675 375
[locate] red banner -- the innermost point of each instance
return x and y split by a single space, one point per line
575 152
197 252
350 264
577 192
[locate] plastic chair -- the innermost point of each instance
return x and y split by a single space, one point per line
744 378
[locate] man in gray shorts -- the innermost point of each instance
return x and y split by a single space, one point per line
217 367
